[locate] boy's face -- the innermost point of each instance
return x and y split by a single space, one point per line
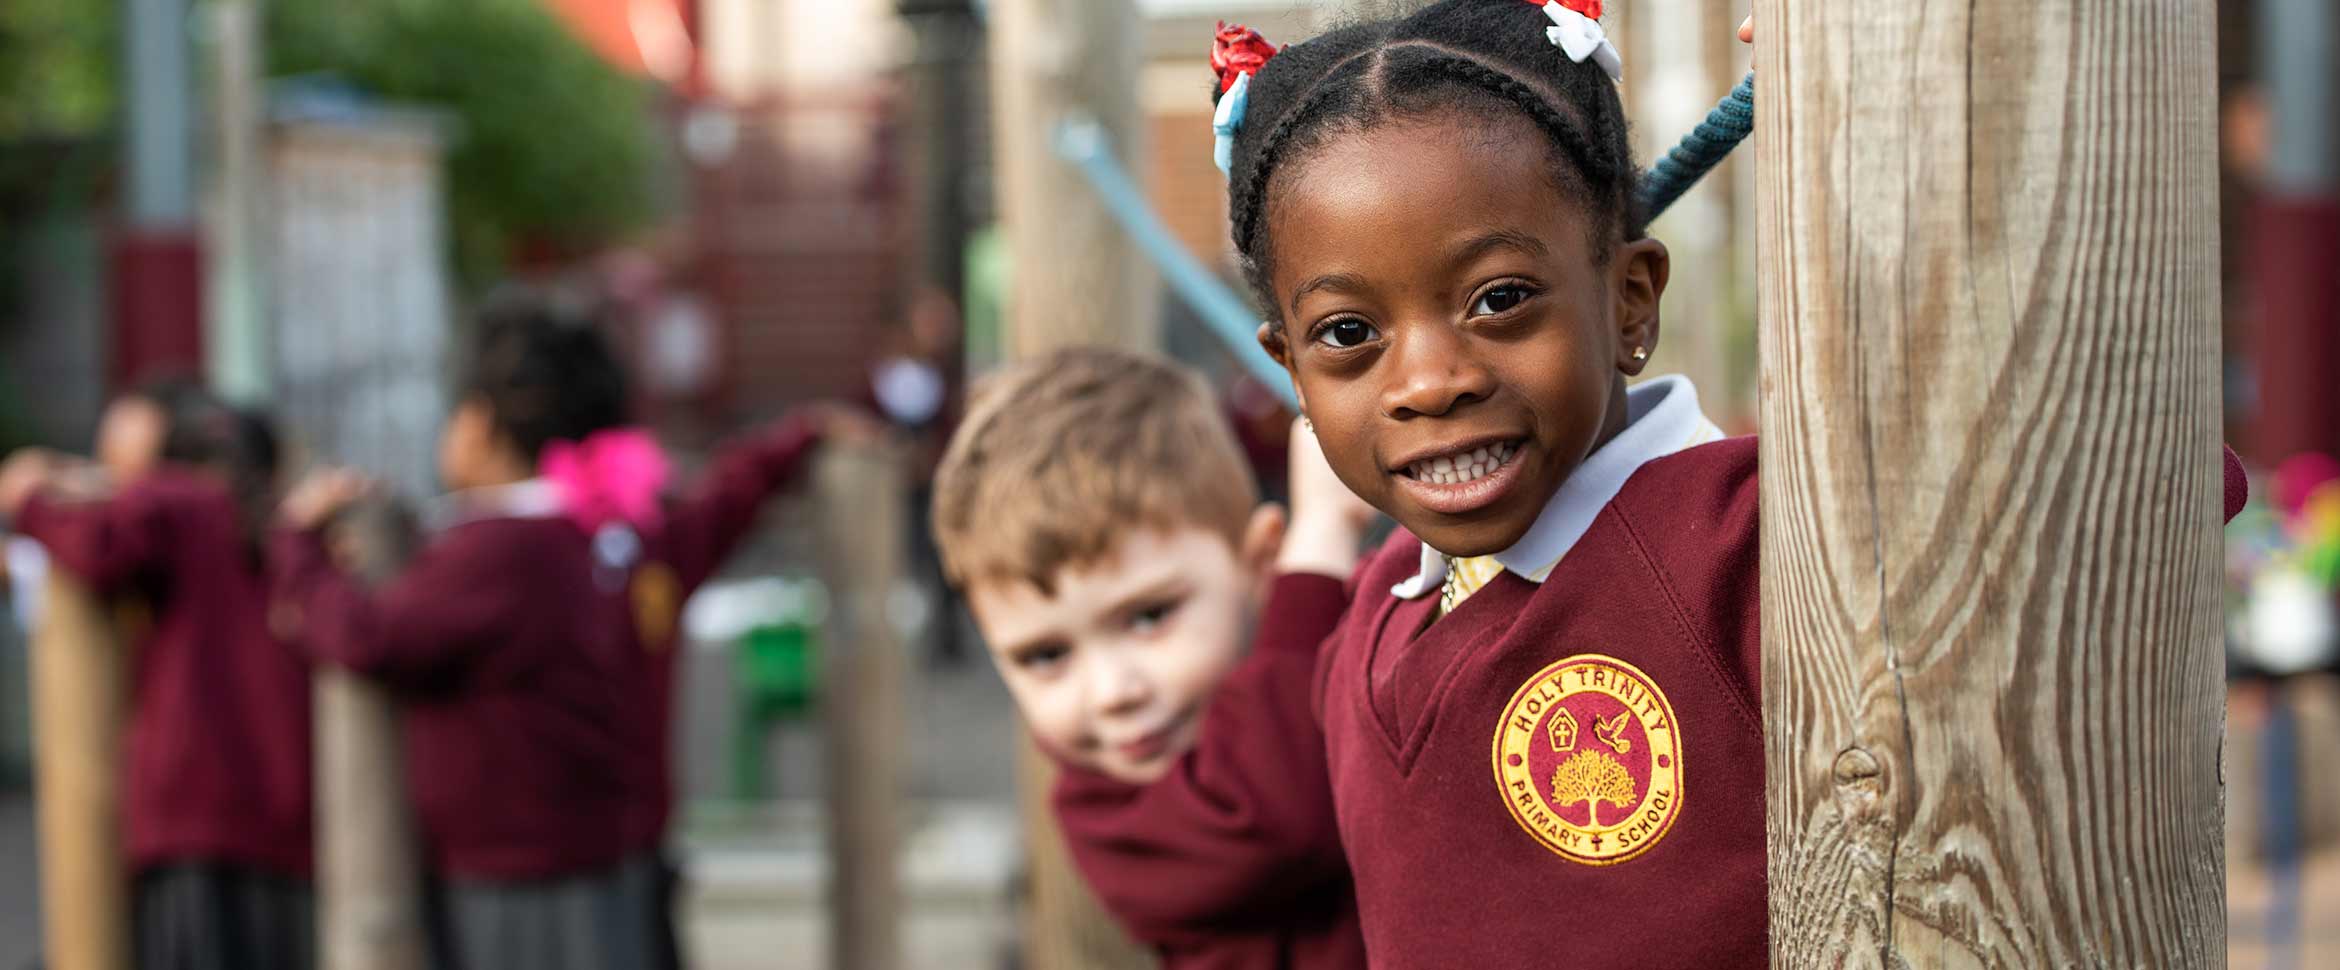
1114 669
1441 302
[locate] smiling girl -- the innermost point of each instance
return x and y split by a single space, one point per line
1540 717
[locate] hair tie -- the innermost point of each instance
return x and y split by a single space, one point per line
1237 53
1576 30
611 477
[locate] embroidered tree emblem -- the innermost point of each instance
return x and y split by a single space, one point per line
1592 777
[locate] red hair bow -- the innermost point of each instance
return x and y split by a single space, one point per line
1240 50
1589 8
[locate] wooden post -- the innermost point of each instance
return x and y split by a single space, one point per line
78 700
861 520
1991 675
1077 279
369 888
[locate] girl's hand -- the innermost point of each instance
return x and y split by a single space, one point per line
27 471
320 496
1329 522
1747 30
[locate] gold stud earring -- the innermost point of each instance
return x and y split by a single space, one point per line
1640 354
1306 423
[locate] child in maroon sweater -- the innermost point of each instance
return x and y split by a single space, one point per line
215 761
1540 716
510 645
1098 513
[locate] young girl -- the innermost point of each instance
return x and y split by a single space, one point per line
1540 716
534 643
509 648
216 764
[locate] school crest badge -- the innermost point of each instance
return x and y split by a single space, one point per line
1588 758
657 595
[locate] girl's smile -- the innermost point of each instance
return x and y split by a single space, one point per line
1456 328
1462 478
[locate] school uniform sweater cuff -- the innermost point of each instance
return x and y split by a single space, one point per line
1302 609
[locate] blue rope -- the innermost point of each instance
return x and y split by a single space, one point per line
1702 149
1229 317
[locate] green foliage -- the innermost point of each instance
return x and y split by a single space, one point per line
552 144
57 77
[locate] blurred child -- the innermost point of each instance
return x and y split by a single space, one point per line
216 793
508 649
1540 717
533 641
1098 514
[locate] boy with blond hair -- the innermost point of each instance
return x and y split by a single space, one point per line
1097 512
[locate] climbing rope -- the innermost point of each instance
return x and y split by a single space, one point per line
1702 149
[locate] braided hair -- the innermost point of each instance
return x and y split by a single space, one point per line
1486 58
545 374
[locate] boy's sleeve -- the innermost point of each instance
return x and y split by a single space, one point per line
452 597
107 543
705 526
1243 825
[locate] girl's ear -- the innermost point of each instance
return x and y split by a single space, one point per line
1271 339
1641 269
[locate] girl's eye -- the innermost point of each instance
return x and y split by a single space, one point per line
1147 619
1501 299
1346 332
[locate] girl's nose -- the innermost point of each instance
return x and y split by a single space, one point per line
1432 370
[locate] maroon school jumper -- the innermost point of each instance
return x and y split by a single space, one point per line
215 764
1626 683
1313 923
699 533
509 667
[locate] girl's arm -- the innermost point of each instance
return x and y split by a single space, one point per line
107 542
453 597
705 526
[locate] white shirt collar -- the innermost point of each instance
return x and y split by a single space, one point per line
1661 418
534 498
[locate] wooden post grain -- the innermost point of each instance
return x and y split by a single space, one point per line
1078 280
1988 236
78 703
861 507
369 889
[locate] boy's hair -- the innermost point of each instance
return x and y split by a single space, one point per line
1488 58
1061 457
545 373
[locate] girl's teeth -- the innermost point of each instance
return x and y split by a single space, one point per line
1457 469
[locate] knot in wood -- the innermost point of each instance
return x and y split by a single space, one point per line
1858 771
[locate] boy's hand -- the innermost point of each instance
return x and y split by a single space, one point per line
1329 522
322 495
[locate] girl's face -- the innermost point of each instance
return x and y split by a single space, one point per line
130 437
471 454
1451 336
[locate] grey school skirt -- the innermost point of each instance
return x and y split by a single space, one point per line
599 921
213 916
